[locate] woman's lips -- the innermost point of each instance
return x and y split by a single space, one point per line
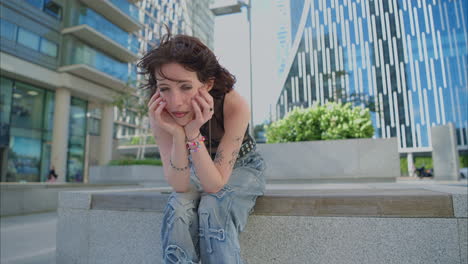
179 114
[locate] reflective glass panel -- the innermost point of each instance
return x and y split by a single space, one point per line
6 89
53 9
76 144
27 106
36 3
24 159
7 30
28 39
49 47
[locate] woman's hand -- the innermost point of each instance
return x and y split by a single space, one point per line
202 104
159 116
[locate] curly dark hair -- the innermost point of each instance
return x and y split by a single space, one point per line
193 55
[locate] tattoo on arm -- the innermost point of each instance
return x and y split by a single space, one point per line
238 139
232 162
219 157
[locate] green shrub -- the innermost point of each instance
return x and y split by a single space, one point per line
327 122
136 140
404 167
427 163
125 162
463 160
423 161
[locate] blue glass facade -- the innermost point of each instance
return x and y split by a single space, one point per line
89 17
405 60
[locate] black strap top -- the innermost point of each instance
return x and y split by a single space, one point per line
217 126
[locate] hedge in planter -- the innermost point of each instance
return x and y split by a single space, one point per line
322 122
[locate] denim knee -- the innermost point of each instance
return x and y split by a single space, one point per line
179 231
181 206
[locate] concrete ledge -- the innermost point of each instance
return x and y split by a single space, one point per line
130 174
26 198
365 202
367 225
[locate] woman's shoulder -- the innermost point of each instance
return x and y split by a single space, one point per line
235 103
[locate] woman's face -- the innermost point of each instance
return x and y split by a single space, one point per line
177 87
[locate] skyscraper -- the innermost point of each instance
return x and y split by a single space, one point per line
283 34
405 60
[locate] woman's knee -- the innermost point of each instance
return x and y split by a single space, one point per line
181 207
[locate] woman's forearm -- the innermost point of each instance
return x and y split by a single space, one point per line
210 177
178 171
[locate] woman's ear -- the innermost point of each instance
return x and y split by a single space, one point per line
209 84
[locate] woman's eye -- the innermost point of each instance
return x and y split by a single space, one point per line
186 87
162 89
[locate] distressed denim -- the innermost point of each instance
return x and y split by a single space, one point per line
200 227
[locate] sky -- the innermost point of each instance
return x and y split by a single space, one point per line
232 49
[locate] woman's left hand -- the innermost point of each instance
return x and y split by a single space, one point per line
202 104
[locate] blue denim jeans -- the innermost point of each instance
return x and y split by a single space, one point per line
199 227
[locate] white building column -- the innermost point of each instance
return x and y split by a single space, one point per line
445 157
60 133
107 125
411 166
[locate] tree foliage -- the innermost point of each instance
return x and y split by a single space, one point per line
322 122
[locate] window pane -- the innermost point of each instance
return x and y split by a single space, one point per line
36 3
7 30
6 89
28 39
76 143
24 159
48 47
26 111
53 9
49 111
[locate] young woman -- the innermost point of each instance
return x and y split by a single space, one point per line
201 126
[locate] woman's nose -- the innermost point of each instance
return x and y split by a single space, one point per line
177 99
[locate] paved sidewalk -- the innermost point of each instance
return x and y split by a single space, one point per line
28 239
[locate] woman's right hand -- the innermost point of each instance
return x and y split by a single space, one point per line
159 116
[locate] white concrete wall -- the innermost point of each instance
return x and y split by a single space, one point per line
347 160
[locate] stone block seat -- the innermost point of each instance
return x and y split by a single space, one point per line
379 223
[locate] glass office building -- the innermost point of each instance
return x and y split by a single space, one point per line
405 60
62 62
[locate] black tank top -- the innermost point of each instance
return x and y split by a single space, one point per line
217 126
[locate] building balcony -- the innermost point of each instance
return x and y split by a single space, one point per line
91 64
91 74
121 13
102 42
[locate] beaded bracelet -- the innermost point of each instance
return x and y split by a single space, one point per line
177 169
194 145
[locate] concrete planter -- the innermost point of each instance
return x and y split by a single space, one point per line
131 174
350 160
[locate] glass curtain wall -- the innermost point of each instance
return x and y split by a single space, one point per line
25 146
29 114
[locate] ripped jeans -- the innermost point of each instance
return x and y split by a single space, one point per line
199 226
